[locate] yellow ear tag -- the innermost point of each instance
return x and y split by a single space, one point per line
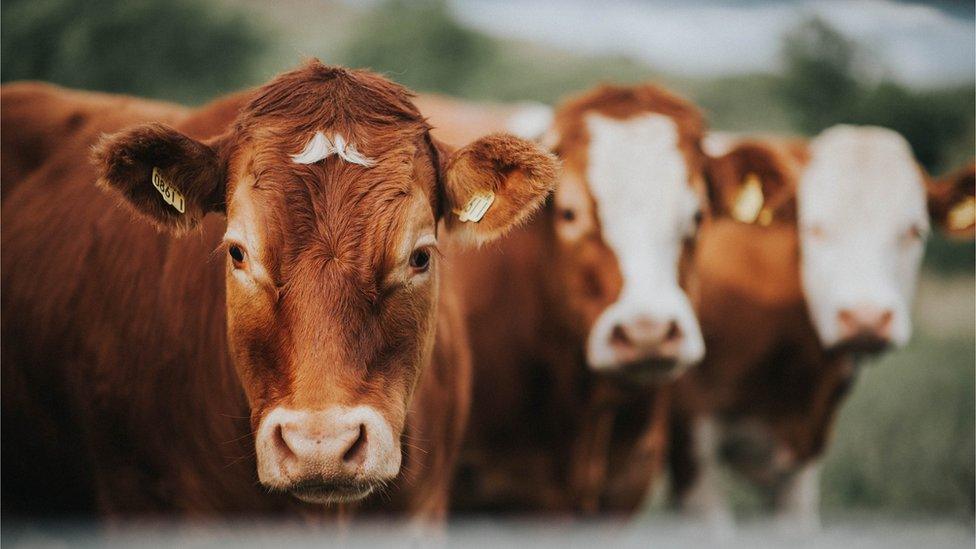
476 207
749 202
172 196
962 215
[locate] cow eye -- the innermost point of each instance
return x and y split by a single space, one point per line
699 216
567 214
236 255
420 260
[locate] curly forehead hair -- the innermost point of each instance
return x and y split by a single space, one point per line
334 209
316 96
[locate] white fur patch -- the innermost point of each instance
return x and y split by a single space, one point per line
645 205
321 147
719 143
530 120
705 498
798 501
858 199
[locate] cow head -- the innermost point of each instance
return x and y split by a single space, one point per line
864 217
332 188
627 205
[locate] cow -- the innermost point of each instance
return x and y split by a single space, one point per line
809 262
242 308
578 319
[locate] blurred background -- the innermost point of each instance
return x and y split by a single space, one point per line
905 440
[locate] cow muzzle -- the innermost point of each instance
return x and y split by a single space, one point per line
334 455
864 328
638 344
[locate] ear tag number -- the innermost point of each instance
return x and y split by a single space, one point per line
476 207
172 196
749 202
962 215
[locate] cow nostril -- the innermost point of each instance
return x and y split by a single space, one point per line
885 320
674 332
280 443
618 335
356 454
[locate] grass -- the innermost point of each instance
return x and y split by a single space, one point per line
905 438
903 444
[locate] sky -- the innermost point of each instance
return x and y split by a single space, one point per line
915 43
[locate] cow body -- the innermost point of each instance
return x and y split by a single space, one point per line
765 398
547 433
569 415
135 383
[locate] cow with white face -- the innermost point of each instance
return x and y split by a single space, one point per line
863 223
580 316
809 259
631 194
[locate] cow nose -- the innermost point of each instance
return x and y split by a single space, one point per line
643 337
337 454
865 320
341 448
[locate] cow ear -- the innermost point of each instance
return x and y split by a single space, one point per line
163 175
752 183
952 202
492 185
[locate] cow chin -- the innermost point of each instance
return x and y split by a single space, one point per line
331 493
650 370
865 345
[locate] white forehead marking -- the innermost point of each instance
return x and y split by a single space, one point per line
645 205
862 178
321 147
639 179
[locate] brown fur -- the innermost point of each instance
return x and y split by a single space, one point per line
132 385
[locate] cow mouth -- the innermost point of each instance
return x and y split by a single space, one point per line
862 345
649 370
331 491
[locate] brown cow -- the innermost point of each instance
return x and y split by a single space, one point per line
784 307
575 317
144 373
